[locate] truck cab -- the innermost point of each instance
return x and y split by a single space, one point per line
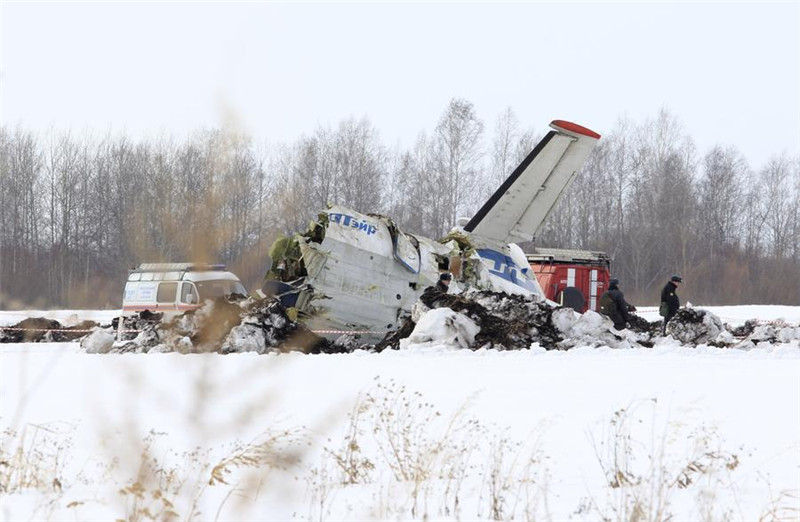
173 288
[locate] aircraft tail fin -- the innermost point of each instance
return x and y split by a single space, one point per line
517 210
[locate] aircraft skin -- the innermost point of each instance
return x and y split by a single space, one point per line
366 274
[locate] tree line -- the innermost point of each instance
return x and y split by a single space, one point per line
78 211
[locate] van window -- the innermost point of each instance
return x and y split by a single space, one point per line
166 292
188 294
212 289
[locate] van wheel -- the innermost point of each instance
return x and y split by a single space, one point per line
573 298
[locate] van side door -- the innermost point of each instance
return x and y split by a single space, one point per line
189 295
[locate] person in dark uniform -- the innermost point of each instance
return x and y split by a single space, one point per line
613 305
444 282
670 302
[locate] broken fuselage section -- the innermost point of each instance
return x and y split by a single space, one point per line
356 272
359 273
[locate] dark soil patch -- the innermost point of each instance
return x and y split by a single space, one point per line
35 330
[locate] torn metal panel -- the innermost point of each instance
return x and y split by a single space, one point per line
366 273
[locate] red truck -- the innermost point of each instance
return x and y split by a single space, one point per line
574 278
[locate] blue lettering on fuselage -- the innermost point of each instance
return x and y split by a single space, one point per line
350 221
505 268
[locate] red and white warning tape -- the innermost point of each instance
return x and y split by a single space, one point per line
347 332
54 330
776 322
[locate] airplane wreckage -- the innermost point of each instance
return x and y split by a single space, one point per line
360 273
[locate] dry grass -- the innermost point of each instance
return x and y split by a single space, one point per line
437 462
174 486
644 473
515 480
355 468
783 507
34 457
397 457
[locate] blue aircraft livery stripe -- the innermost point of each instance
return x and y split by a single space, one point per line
505 268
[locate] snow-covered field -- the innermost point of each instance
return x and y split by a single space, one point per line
426 432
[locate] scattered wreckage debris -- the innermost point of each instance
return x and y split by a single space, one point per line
744 330
42 330
133 324
640 324
517 322
229 324
472 319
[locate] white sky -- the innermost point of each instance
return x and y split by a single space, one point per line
729 71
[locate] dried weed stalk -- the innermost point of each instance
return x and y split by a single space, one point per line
355 468
782 508
642 478
34 457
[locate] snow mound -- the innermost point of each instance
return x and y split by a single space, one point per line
595 330
99 341
443 327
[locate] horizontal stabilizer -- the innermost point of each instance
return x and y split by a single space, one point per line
522 203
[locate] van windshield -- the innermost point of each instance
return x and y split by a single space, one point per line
212 289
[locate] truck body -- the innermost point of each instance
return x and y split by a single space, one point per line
574 278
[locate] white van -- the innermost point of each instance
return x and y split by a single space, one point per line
173 288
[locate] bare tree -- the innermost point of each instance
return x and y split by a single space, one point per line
419 205
777 208
76 213
360 164
457 146
504 154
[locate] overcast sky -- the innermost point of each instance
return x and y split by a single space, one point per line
729 71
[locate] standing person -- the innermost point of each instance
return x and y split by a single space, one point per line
444 282
670 302
613 304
